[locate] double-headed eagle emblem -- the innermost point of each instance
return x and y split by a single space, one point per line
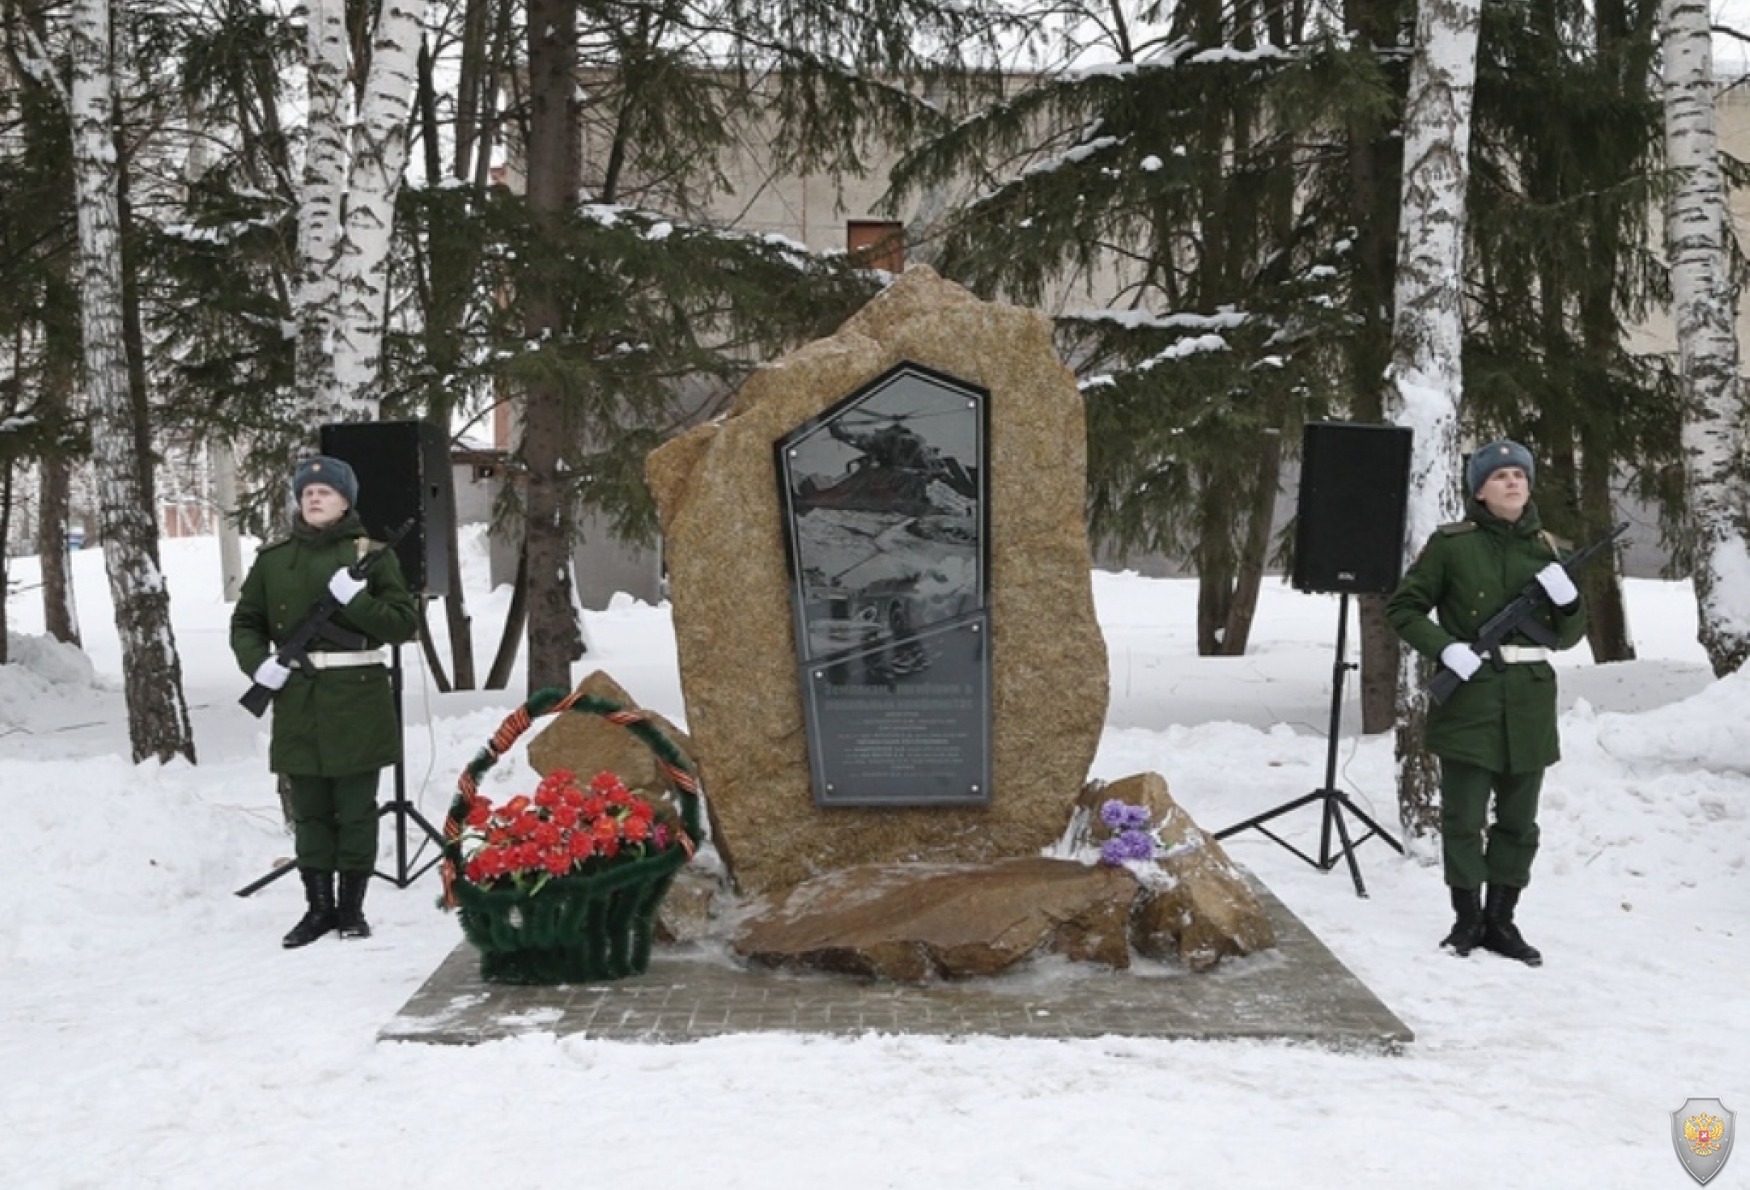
1703 1134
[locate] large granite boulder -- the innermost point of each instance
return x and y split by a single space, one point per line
911 922
716 490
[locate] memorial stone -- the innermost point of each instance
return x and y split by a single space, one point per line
716 489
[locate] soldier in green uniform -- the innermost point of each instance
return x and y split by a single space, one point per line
334 729
1497 733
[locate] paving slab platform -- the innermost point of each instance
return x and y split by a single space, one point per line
1299 992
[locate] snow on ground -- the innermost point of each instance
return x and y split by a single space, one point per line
154 1034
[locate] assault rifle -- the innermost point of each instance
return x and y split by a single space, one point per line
1518 616
294 651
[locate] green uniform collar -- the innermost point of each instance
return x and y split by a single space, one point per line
1527 525
346 528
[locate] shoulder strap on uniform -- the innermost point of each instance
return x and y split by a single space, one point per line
1454 528
1557 545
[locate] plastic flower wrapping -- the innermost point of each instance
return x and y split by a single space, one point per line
564 829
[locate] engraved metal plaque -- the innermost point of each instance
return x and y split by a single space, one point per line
887 529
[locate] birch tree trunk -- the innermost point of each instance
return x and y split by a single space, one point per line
319 207
158 723
1704 303
1426 378
378 156
352 174
231 572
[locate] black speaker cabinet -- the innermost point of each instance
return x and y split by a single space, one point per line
1349 532
404 472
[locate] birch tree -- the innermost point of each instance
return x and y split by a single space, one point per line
1426 376
1704 304
357 147
158 724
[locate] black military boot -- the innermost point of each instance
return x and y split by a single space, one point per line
1467 926
1500 934
319 918
352 921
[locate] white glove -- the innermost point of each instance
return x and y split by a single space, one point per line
343 586
271 673
1461 659
1558 584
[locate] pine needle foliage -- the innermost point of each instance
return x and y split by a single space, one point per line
1567 153
659 316
1174 181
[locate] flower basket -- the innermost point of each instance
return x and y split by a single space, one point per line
594 921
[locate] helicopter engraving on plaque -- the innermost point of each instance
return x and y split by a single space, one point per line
887 532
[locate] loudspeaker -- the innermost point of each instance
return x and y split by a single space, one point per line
1349 533
404 472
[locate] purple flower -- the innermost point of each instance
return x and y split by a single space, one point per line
1127 845
1122 816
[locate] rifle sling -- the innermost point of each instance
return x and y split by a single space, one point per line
342 638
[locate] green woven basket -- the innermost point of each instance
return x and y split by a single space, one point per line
576 928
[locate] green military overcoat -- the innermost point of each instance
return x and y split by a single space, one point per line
1502 720
341 721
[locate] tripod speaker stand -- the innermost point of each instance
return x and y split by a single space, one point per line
405 871
1333 802
1348 538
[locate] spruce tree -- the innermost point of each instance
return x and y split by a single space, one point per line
1178 167
1566 156
39 309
